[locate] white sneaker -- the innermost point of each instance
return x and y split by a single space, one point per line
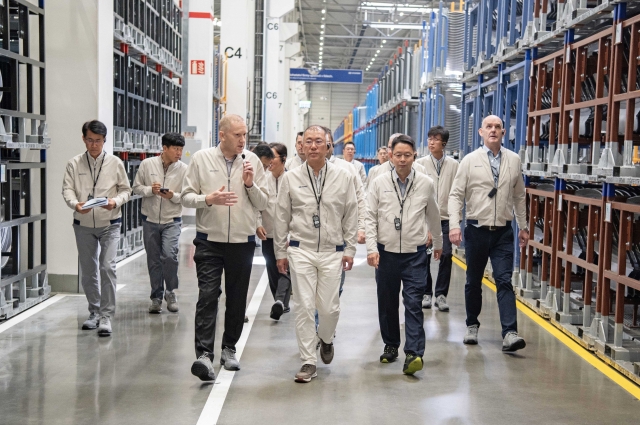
426 301
105 326
91 322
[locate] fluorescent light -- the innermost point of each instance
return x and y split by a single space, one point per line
320 48
322 26
393 26
323 18
384 41
321 32
376 55
321 38
377 51
401 13
324 11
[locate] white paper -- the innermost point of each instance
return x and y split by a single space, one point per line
94 203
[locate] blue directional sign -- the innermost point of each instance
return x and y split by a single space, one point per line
344 76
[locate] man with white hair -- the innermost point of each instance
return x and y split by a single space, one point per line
490 181
226 184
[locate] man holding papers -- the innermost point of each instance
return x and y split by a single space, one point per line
90 176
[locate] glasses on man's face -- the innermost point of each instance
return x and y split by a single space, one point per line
314 142
433 139
401 155
93 141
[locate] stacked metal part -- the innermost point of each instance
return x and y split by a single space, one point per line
23 144
147 92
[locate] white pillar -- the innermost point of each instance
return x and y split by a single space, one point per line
79 88
200 74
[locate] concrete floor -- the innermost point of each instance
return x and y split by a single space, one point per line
51 372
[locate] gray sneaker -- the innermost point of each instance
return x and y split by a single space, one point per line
156 306
91 322
441 303
172 301
203 368
512 342
471 337
326 352
105 326
228 359
426 301
306 374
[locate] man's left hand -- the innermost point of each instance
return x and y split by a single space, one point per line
347 263
523 237
437 253
111 205
247 173
361 237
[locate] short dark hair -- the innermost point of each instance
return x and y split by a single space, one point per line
349 143
173 139
300 134
94 126
384 148
280 149
439 130
403 139
263 151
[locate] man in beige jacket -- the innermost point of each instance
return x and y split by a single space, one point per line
226 184
317 211
159 181
91 175
442 170
401 207
490 181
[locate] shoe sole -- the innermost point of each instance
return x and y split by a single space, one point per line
223 363
426 307
276 311
444 309
173 310
519 345
155 311
89 328
305 380
104 334
201 371
388 360
470 342
413 367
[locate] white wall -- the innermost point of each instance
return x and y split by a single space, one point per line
331 103
79 87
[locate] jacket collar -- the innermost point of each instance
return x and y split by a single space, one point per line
504 164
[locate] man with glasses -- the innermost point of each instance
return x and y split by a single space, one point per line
490 181
90 176
317 211
296 160
159 182
264 153
442 170
401 206
386 167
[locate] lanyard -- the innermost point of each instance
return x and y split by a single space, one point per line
315 194
494 172
406 193
437 165
95 181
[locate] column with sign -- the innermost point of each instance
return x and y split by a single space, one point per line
272 102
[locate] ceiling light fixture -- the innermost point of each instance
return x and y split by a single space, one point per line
324 11
384 41
377 51
321 38
392 26
322 26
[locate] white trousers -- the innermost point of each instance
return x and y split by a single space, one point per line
315 280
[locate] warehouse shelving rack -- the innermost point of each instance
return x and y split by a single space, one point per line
147 92
23 144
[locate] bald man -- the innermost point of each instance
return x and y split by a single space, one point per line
490 181
388 166
226 184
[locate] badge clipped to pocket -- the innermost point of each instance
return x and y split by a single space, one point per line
397 223
316 221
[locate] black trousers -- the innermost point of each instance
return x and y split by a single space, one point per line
444 267
280 284
212 258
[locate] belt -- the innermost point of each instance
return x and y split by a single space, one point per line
339 248
205 237
419 248
491 228
175 219
116 221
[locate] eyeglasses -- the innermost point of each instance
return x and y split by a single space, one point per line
405 156
93 141
314 142
433 139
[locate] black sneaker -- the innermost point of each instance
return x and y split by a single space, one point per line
326 352
390 354
412 364
276 310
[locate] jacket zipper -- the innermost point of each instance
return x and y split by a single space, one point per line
401 214
228 190
163 180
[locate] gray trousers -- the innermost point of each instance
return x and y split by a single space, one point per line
161 244
97 248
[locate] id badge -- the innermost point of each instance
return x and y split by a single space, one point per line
316 221
397 223
90 197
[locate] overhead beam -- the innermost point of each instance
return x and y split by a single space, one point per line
370 37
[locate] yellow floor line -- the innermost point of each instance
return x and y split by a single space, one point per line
589 357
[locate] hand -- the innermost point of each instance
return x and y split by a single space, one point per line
167 195
347 263
220 197
155 188
80 210
283 265
111 205
262 234
455 236
429 239
373 259
361 237
247 173
523 237
437 253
